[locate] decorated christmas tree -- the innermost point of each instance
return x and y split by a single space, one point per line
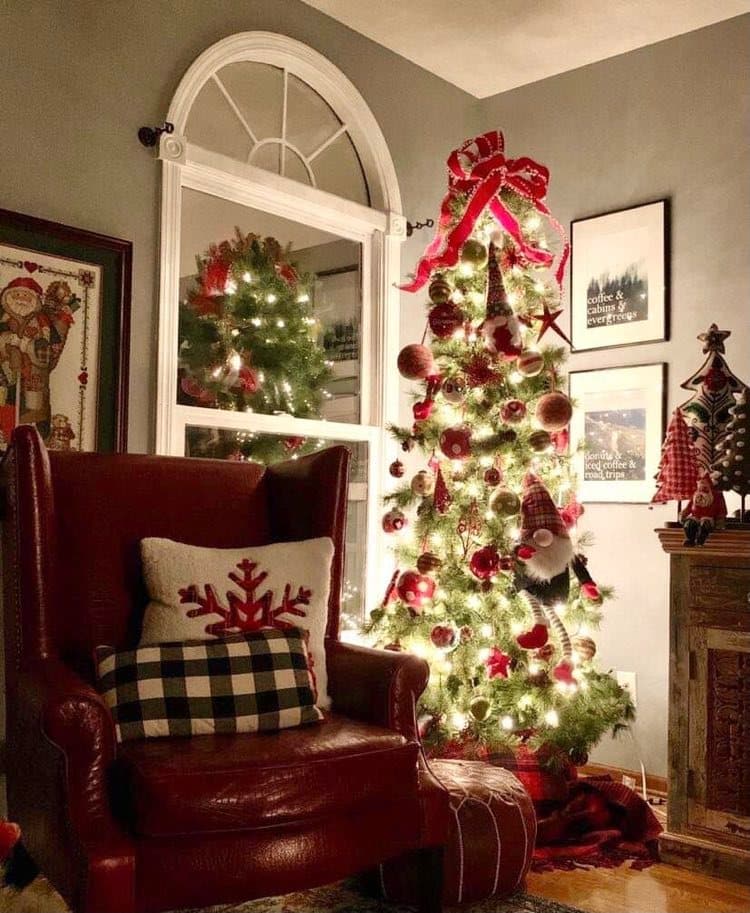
678 467
732 466
485 532
248 342
713 386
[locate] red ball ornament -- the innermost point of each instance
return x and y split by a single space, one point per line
445 319
485 562
394 521
502 335
591 592
443 636
423 410
415 589
415 362
493 476
554 411
513 411
396 469
455 442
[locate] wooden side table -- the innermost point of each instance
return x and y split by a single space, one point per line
708 810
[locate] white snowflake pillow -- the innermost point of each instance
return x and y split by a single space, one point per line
200 593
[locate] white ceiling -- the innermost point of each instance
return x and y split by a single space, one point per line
489 46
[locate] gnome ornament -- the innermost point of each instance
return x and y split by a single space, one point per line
500 330
545 558
704 511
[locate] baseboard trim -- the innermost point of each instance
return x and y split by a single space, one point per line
656 786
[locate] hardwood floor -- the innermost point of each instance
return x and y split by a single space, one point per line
660 889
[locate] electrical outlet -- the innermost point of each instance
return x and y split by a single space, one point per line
626 680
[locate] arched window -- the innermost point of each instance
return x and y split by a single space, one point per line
270 140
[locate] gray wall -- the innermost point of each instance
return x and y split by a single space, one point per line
670 120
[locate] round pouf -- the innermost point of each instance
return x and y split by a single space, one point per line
492 836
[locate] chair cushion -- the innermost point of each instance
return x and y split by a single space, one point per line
232 782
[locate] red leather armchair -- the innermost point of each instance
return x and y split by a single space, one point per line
170 823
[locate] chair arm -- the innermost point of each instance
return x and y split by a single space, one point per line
376 686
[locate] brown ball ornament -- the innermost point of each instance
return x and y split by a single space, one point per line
493 476
474 253
423 484
480 708
453 390
505 502
584 647
554 411
530 363
428 563
415 362
445 319
439 290
539 441
396 469
513 411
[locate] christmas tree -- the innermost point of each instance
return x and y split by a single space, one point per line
678 467
714 386
485 531
248 342
732 465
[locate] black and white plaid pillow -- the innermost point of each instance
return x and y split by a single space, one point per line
256 682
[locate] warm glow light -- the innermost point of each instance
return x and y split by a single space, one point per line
230 288
303 298
534 668
486 630
458 720
473 601
419 650
280 324
235 362
247 277
466 269
271 298
516 627
484 654
507 723
256 321
515 377
551 718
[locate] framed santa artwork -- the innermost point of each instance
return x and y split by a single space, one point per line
64 333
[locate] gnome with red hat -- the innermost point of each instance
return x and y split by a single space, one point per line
545 558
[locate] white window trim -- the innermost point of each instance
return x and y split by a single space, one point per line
380 231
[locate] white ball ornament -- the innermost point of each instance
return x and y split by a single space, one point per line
454 391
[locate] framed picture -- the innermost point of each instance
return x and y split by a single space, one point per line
64 333
616 431
619 278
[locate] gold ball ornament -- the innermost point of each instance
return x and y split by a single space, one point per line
539 441
530 363
505 502
474 253
428 563
439 290
480 708
423 484
583 647
554 411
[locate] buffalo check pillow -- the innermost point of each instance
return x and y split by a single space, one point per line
256 682
201 593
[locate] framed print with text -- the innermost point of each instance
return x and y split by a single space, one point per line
616 431
619 293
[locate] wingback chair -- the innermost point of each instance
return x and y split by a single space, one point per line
164 824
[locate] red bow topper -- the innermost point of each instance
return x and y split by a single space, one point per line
480 169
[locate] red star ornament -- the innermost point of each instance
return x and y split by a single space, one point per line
548 321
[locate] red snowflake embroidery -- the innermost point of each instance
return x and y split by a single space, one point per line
248 613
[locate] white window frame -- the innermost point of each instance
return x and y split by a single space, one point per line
380 231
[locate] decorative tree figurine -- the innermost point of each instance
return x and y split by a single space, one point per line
247 341
678 468
707 410
485 531
732 465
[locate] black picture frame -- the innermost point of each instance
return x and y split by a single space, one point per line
661 314
33 235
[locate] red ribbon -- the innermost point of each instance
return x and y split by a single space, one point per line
480 169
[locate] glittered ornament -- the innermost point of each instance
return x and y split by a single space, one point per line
415 589
480 708
554 411
539 441
454 390
455 442
415 362
584 647
440 290
396 469
545 653
423 410
443 636
474 253
445 319
505 502
423 484
466 634
497 663
530 363
485 562
513 411
442 497
394 521
493 476
428 563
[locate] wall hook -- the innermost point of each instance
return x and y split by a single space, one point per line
149 136
411 227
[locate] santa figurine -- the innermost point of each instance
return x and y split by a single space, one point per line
705 510
545 557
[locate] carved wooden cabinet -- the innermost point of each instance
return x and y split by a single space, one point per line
708 811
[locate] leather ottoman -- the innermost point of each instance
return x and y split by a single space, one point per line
491 841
